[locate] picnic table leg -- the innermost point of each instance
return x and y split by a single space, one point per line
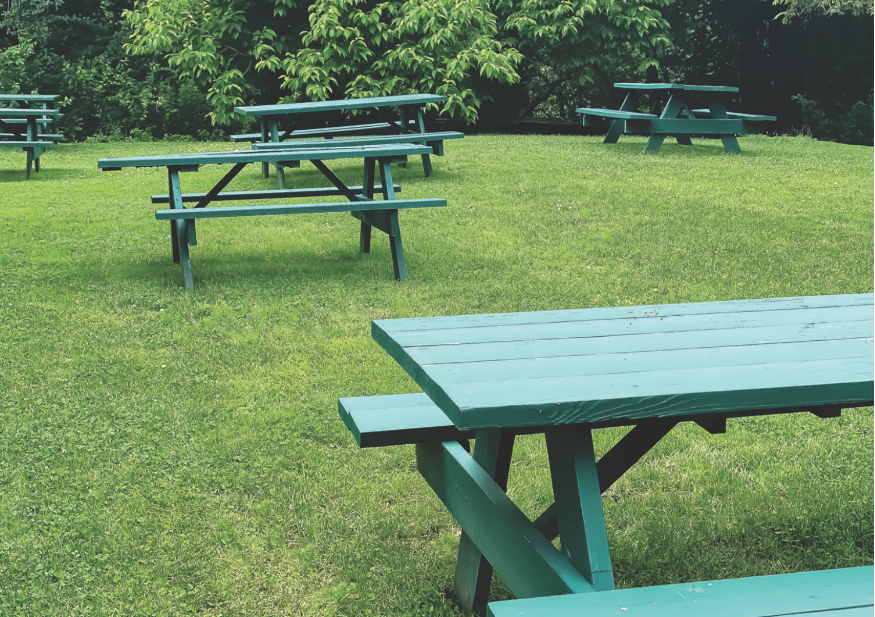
394 225
404 129
29 152
718 112
274 138
32 133
617 126
426 158
368 187
492 451
265 137
579 504
671 110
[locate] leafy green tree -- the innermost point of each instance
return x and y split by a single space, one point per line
803 8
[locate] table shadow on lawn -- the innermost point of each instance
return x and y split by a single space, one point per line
46 175
700 146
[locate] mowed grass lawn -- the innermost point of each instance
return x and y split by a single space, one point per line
171 452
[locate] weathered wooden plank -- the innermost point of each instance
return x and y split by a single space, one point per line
257 156
29 97
670 323
520 554
846 382
233 211
397 419
653 311
810 593
346 104
412 138
689 87
326 191
613 113
626 343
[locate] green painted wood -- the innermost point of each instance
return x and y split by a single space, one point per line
234 211
40 136
27 144
689 126
253 156
749 308
397 419
732 114
42 121
346 104
687 87
175 192
698 369
717 324
379 219
427 138
29 97
6 112
492 451
612 113
255 195
581 522
525 560
373 128
842 593
718 112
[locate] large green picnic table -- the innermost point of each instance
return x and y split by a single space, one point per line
362 205
408 108
566 373
689 110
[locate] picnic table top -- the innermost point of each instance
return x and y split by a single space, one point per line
665 86
27 113
621 365
362 103
28 97
261 156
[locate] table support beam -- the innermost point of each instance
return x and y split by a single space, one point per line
492 451
618 126
579 503
520 554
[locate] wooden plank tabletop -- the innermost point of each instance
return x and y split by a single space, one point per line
622 365
689 87
28 97
363 103
25 113
260 156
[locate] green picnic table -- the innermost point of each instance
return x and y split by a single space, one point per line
689 110
371 213
409 113
19 128
567 373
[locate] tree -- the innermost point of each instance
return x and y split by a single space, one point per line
803 8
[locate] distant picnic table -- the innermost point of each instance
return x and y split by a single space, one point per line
410 121
379 214
564 373
27 127
690 110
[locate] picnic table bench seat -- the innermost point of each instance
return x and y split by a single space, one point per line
328 132
433 140
40 136
845 592
738 116
614 113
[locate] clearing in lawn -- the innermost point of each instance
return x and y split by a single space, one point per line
173 452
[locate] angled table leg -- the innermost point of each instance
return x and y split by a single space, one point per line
617 126
426 158
395 227
579 504
718 112
671 110
492 451
182 231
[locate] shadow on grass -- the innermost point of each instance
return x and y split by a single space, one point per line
700 146
46 175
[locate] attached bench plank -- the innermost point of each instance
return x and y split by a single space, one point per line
434 140
277 194
738 116
40 136
613 113
397 419
346 206
373 128
841 593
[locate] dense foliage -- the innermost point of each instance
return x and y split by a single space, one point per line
149 68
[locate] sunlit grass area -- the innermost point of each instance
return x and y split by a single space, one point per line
173 452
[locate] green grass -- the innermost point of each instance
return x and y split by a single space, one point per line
173 452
